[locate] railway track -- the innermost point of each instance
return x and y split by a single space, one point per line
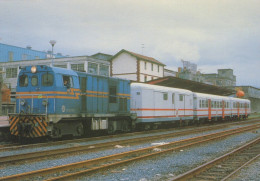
226 166
67 151
97 147
75 170
10 147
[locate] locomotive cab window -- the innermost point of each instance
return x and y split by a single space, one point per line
34 80
67 81
47 79
23 80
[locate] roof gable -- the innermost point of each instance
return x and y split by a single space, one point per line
138 56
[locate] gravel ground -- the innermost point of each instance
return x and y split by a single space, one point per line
152 167
170 165
251 172
28 150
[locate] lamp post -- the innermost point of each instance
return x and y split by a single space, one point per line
52 42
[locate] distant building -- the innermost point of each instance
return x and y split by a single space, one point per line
251 93
10 53
136 67
223 78
189 72
168 72
102 56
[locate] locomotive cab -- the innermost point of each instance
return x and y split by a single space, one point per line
41 96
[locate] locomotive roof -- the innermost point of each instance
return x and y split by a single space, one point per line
56 70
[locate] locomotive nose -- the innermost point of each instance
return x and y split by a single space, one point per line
24 128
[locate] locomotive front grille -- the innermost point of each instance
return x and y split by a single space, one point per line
30 126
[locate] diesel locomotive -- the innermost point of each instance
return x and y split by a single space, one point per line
52 101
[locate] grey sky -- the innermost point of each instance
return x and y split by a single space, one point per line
212 33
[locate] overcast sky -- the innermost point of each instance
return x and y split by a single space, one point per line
214 34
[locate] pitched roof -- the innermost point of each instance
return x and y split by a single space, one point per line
139 56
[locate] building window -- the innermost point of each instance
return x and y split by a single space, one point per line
11 72
158 68
145 65
37 57
24 56
61 66
78 67
104 70
92 68
10 56
152 67
145 78
112 95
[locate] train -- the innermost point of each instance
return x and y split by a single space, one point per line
54 102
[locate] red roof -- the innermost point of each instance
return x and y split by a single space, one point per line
139 56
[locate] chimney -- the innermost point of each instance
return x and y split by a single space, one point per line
29 47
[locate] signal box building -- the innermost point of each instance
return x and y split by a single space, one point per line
135 67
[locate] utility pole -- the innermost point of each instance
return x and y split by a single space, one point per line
1 84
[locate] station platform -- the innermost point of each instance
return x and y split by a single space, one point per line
4 122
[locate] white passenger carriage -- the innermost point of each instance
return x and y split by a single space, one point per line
157 104
240 108
211 107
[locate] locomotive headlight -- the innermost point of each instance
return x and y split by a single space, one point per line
33 69
45 102
22 102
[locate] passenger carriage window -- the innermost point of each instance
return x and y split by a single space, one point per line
23 81
112 95
47 79
200 103
180 97
34 80
165 96
173 95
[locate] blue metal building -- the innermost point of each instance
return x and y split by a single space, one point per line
9 53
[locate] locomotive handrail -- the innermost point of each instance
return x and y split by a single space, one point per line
32 97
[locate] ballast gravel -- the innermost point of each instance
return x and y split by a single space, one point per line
160 168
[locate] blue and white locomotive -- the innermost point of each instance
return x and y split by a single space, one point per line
53 102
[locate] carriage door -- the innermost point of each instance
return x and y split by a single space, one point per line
158 103
223 109
246 109
83 85
238 105
195 107
181 111
209 109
